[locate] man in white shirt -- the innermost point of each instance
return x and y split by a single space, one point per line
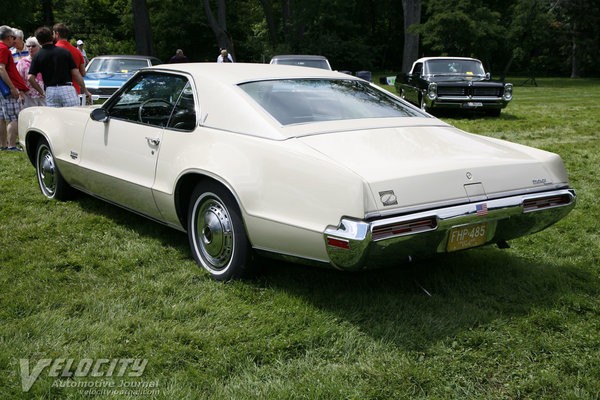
80 48
224 57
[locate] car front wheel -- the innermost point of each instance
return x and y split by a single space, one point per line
423 103
216 232
51 182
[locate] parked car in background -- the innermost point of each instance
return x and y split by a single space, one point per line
106 74
453 82
298 163
302 61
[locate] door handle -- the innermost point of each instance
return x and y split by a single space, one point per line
153 141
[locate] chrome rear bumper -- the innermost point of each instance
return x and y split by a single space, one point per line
356 244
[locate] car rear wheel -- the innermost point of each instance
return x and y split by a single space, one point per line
216 232
51 182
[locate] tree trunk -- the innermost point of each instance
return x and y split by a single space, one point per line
143 32
575 73
220 28
412 15
48 13
267 6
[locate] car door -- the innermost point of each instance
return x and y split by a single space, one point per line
414 81
120 153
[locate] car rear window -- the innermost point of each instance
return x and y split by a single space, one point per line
304 63
293 101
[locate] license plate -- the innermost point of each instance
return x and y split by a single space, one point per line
463 237
471 104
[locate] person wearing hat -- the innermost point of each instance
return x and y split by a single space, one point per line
80 48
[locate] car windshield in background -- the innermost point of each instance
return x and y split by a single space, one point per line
454 67
293 101
115 65
305 63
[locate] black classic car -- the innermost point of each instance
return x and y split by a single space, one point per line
453 82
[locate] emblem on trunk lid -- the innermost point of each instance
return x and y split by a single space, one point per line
388 198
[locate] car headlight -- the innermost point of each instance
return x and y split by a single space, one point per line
432 91
508 91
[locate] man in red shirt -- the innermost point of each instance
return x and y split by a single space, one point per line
61 34
13 103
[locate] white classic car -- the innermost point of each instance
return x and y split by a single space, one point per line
301 163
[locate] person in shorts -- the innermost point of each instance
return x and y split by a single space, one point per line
11 105
58 71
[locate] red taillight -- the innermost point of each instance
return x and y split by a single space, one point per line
339 243
546 202
404 228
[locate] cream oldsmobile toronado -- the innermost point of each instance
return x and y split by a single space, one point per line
302 163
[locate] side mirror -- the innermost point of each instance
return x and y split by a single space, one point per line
487 76
99 114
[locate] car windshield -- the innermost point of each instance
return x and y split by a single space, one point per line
454 67
293 101
304 63
115 65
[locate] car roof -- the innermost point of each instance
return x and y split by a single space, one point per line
236 73
130 56
298 56
217 86
424 59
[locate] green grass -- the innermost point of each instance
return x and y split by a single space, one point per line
83 279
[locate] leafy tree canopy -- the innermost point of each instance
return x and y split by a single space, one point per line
545 37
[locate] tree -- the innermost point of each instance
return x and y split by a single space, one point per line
579 21
219 26
143 32
412 16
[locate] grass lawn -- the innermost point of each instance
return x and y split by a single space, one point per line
86 280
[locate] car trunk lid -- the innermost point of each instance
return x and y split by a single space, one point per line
414 166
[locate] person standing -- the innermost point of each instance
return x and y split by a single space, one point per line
224 57
12 104
82 51
32 97
58 69
178 57
19 51
61 34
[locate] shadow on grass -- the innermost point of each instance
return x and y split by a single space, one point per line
468 289
472 114
142 225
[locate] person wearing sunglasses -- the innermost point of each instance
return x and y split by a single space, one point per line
32 97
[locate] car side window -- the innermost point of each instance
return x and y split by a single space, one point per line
184 114
149 99
418 69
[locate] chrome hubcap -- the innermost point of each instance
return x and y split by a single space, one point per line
47 171
215 233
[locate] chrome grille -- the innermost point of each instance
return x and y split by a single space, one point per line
451 91
485 91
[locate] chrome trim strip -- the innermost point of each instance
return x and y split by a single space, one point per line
420 208
469 98
142 214
275 253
